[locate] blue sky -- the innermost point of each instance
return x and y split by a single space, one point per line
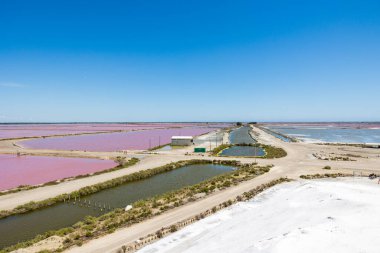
148 60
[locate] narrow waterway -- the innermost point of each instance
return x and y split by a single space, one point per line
242 136
243 151
23 227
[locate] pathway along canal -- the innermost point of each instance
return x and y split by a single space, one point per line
242 136
23 227
275 134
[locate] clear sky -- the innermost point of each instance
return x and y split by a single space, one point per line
181 60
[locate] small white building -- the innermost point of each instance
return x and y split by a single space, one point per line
182 140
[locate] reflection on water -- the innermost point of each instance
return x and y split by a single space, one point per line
243 151
241 136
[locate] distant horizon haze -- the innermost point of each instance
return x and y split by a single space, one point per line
201 122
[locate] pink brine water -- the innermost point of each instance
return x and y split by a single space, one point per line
136 140
34 170
31 130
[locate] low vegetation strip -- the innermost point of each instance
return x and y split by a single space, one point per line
271 152
326 175
358 145
220 148
92 227
122 165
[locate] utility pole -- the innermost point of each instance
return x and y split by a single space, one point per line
159 140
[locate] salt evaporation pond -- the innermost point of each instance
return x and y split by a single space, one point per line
340 215
35 130
34 170
243 151
26 226
330 133
242 136
135 140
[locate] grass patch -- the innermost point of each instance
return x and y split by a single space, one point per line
220 148
326 175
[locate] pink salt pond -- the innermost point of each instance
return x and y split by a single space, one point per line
135 140
34 170
31 130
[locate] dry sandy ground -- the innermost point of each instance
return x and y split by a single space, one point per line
50 243
300 160
329 215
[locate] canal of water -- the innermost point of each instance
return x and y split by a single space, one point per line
23 227
243 151
242 136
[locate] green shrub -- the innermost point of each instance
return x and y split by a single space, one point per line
220 148
173 228
159 234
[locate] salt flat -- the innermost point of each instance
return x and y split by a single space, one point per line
339 215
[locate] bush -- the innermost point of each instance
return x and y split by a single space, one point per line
226 184
220 148
159 234
67 240
173 228
327 168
